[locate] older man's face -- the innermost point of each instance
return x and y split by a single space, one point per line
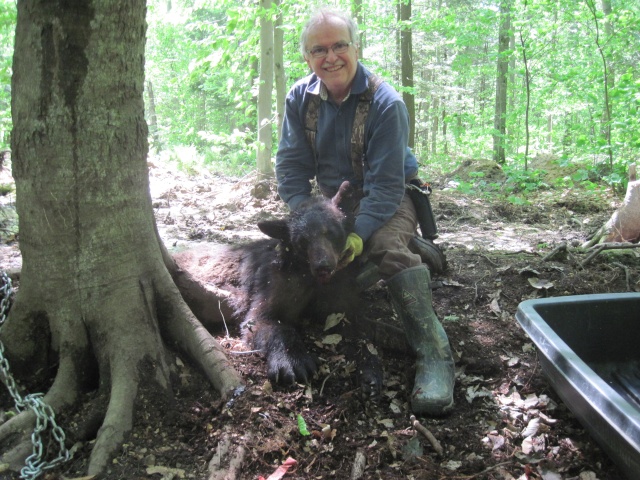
337 71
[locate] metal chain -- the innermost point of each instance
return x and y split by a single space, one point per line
45 416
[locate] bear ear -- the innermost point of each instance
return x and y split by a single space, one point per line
278 229
344 194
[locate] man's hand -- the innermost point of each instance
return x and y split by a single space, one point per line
352 249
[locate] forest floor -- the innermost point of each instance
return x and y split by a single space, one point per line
495 251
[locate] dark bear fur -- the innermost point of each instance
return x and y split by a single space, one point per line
269 285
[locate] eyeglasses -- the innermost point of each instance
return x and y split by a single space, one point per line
321 52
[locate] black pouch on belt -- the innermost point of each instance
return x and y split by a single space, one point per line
419 193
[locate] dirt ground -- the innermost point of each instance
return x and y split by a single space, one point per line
508 423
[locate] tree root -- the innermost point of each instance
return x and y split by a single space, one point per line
63 393
599 248
125 368
226 463
117 422
180 324
624 223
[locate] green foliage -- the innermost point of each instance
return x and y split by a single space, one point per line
202 64
230 153
5 189
7 29
525 181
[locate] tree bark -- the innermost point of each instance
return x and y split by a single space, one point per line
527 84
153 117
500 118
279 73
265 89
406 47
95 297
624 223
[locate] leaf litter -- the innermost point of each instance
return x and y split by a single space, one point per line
507 422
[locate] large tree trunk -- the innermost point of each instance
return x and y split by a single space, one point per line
624 223
500 117
95 295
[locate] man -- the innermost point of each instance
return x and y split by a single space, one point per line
386 218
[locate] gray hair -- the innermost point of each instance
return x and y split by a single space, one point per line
319 17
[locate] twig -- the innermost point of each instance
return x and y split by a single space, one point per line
224 320
427 434
486 470
562 248
486 257
467 217
325 381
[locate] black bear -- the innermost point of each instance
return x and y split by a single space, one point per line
271 284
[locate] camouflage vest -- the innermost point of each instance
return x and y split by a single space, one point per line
357 132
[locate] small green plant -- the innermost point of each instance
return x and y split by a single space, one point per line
516 200
466 187
525 181
5 189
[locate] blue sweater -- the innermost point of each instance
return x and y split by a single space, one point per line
388 159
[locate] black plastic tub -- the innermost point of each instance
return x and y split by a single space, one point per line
589 349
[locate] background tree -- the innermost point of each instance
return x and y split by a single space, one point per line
211 46
202 62
527 86
265 91
406 47
500 119
95 297
607 80
280 76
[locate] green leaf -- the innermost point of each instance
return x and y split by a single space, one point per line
302 426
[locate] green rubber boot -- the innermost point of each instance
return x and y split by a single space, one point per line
435 371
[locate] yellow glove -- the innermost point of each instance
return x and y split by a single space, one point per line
352 249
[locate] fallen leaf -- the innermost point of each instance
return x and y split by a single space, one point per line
531 401
267 387
527 446
497 441
513 362
395 406
528 347
332 339
333 320
528 270
166 472
452 465
549 474
588 476
302 426
475 391
495 306
387 422
540 284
